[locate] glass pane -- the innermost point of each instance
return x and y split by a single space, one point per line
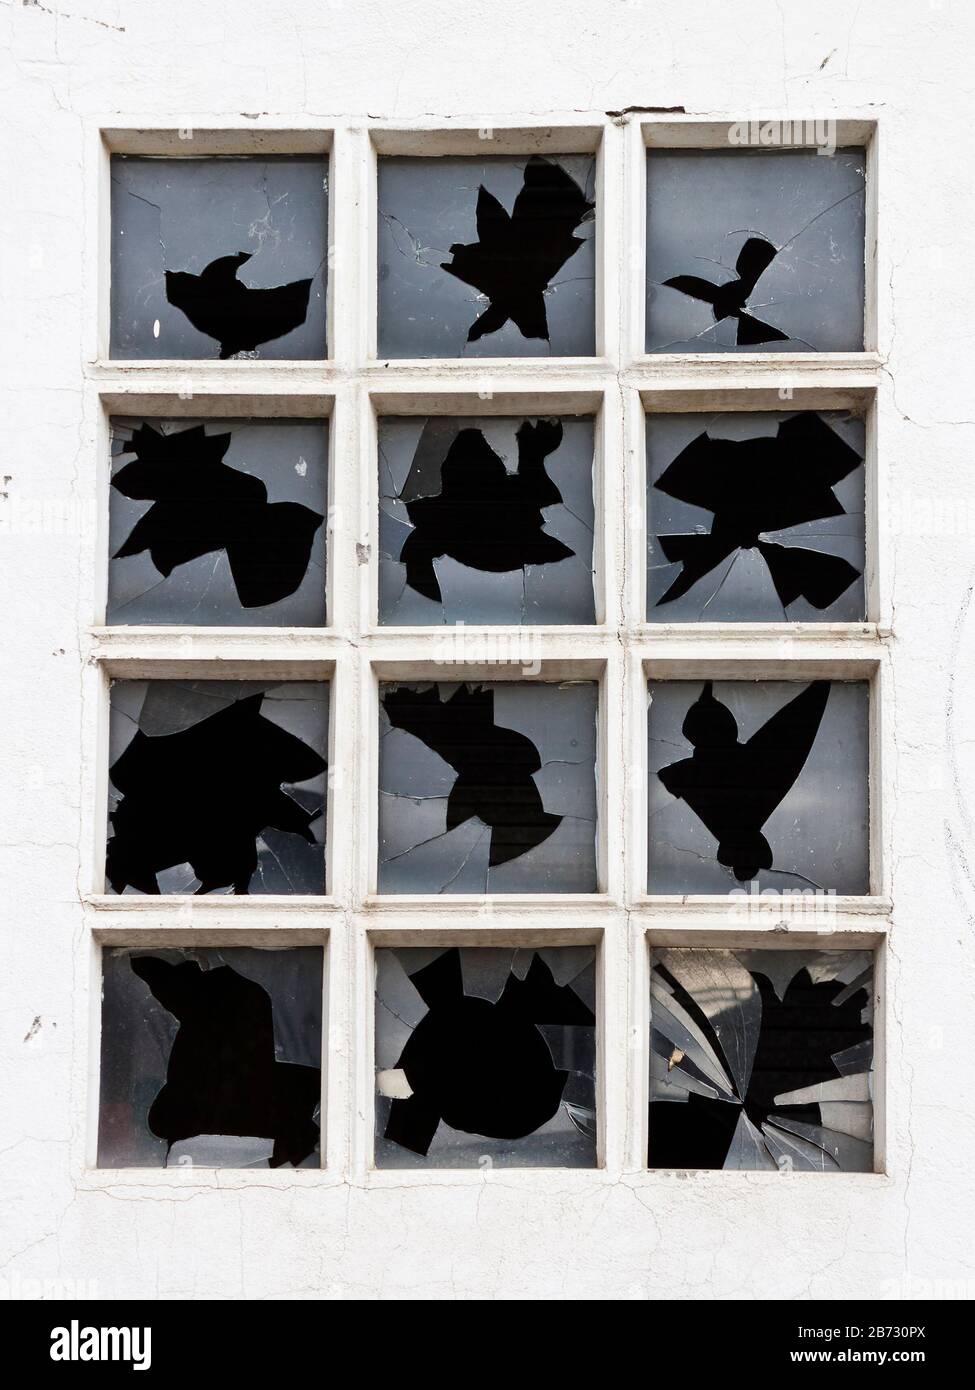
760 783
218 522
486 1057
485 520
755 251
210 1058
217 787
487 257
761 1059
219 257
487 788
755 517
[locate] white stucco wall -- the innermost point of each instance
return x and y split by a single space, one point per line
618 1232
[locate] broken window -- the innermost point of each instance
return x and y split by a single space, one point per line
755 251
219 257
217 787
211 1058
486 1056
759 782
762 1059
755 517
485 520
218 522
487 788
487 257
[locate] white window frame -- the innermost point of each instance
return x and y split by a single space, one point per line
619 387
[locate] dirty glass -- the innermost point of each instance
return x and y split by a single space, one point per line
485 520
487 788
761 1060
218 522
486 1056
487 257
210 1058
219 257
755 517
755 250
758 784
217 787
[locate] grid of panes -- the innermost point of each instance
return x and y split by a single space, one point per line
459 716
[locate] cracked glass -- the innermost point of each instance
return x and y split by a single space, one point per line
755 517
489 257
761 1059
217 787
486 1057
486 520
758 785
755 250
219 257
487 788
218 522
211 1058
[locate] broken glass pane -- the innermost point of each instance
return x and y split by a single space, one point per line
485 520
218 522
755 251
755 517
487 788
217 787
486 1057
761 1059
487 257
761 782
219 257
210 1058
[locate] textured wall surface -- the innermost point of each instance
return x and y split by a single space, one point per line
617 1232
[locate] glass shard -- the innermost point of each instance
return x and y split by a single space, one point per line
784 1102
724 990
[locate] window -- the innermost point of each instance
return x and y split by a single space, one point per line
217 786
488 652
761 1059
218 257
755 250
486 520
486 1055
211 1058
218 522
517 231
